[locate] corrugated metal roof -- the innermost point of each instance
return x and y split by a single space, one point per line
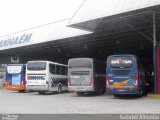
50 32
93 9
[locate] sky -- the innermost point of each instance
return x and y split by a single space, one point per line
17 15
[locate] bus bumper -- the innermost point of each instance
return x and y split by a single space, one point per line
81 88
37 87
16 87
123 91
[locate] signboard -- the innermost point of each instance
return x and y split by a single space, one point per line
14 69
24 38
121 63
45 33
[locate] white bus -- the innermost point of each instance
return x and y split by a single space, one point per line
46 76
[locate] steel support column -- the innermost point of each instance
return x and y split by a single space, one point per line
154 53
158 69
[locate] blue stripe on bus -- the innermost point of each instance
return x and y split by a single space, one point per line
56 81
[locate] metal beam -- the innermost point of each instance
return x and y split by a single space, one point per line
154 53
150 39
154 29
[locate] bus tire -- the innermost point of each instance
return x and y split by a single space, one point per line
60 89
141 93
101 92
79 93
117 95
41 93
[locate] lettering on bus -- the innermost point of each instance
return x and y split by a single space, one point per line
16 40
120 61
36 77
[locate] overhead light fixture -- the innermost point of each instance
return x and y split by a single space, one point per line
85 46
117 42
59 50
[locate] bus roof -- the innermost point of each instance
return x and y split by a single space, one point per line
118 55
47 62
16 64
79 58
93 59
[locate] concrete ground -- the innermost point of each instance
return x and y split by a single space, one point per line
67 103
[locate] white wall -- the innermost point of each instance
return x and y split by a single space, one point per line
50 32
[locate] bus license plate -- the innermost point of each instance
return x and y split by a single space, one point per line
121 90
80 87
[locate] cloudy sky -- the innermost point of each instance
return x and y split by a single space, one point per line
17 15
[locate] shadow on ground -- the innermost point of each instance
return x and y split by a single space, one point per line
128 97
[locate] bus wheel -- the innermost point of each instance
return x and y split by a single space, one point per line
41 93
117 95
141 93
59 89
79 93
101 92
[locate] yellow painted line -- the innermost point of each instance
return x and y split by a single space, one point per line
153 95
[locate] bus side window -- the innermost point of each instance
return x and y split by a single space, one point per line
52 68
58 72
66 70
62 70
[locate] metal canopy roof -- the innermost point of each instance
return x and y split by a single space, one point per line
91 11
124 26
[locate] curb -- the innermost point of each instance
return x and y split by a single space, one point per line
153 95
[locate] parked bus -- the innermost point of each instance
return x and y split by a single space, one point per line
86 75
125 75
15 77
46 76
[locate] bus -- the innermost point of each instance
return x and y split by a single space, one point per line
46 76
15 77
124 75
86 75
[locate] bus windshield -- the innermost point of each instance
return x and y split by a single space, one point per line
121 62
14 69
36 66
80 63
